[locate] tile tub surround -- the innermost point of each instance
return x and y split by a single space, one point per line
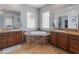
37 39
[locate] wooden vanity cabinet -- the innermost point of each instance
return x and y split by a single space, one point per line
10 38
3 40
74 44
68 42
53 38
63 41
59 39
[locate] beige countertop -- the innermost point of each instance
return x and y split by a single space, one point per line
3 31
67 32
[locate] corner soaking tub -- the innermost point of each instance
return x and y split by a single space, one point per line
37 37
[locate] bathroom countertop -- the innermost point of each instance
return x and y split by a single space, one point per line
67 32
4 31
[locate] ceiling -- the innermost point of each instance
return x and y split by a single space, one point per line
37 5
18 7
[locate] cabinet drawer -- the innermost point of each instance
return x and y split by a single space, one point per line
19 32
3 34
63 35
74 37
3 41
6 37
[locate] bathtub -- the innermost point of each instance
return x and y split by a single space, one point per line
38 33
37 37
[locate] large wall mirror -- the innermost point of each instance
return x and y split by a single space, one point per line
61 22
65 22
10 20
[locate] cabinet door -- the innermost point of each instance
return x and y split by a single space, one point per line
19 37
63 41
53 38
3 42
74 45
11 40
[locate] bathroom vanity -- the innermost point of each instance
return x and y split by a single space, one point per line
10 38
66 32
66 40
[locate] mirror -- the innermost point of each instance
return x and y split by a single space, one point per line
65 22
8 22
61 22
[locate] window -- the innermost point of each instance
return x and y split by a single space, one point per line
45 20
30 20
